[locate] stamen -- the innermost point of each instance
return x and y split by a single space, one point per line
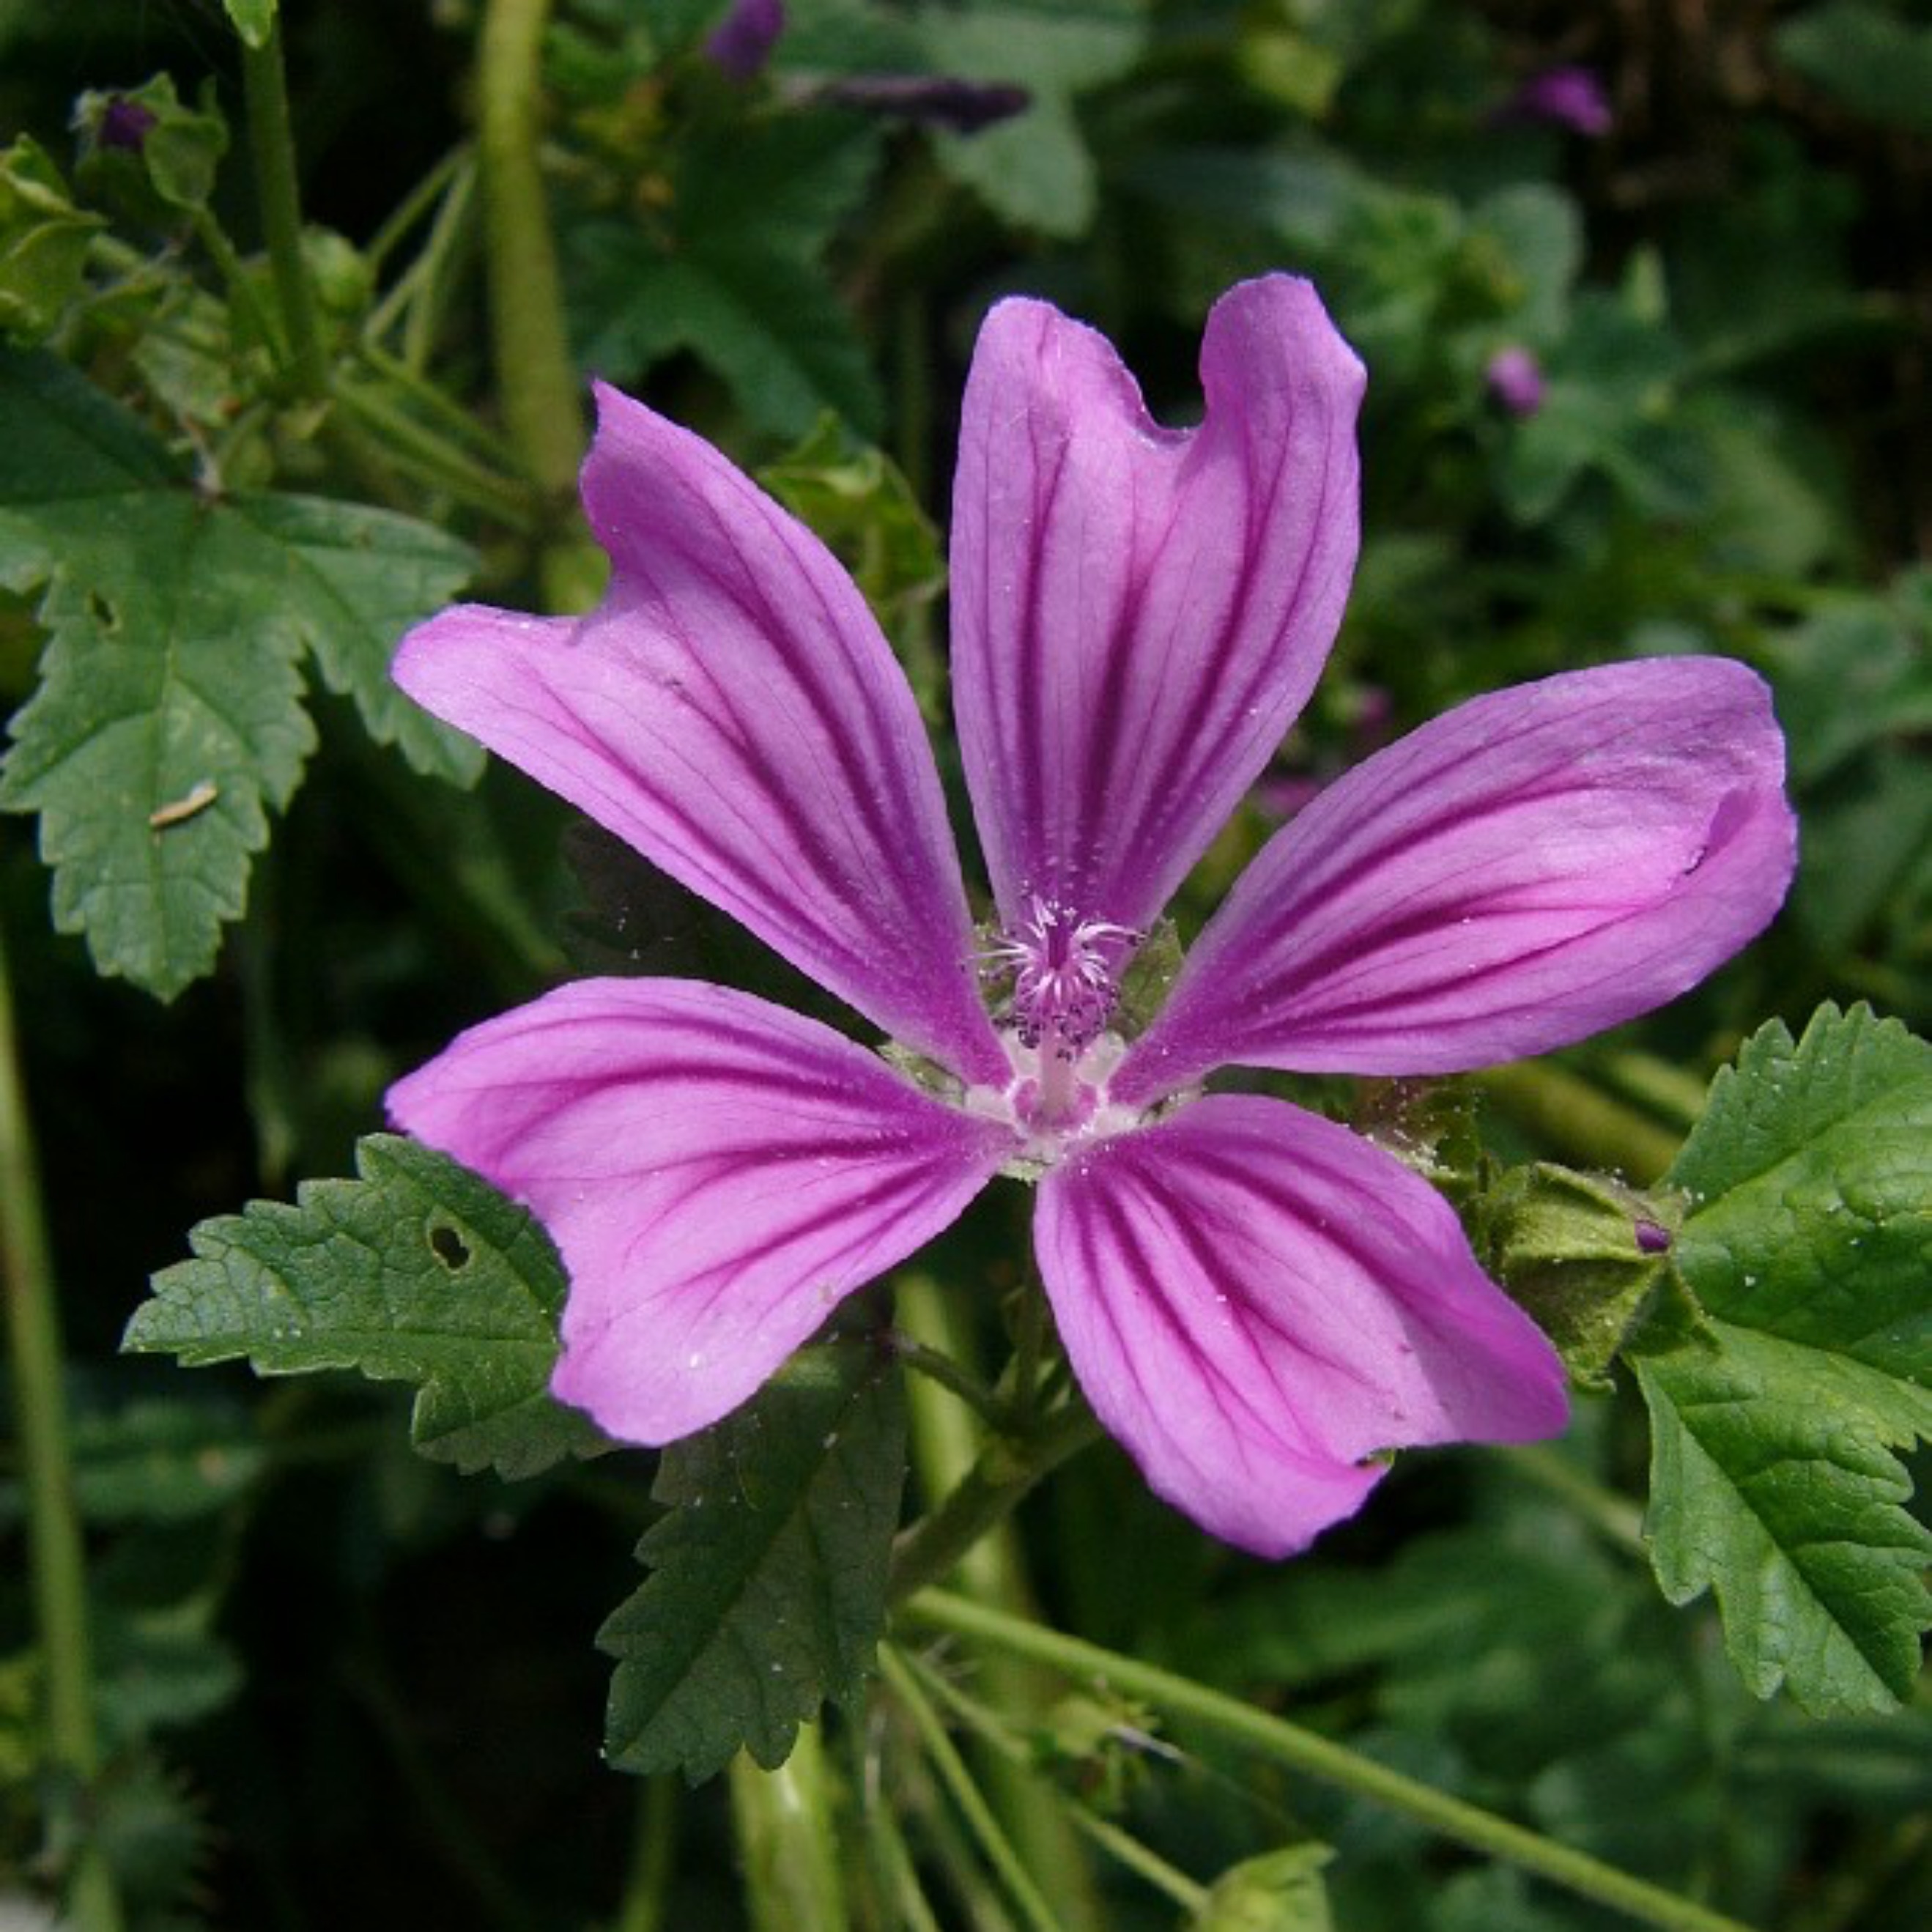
1064 970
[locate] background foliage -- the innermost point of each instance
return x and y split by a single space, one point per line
244 885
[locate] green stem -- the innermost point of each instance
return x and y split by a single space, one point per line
1007 1468
894 1874
56 1559
1614 1518
413 446
457 423
271 142
534 376
787 1841
414 206
948 1445
1579 1120
995 1845
1667 1090
236 279
993 1733
1029 1352
1313 1756
948 1375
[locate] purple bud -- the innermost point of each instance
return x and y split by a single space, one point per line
741 43
1514 379
124 123
1651 1239
1568 97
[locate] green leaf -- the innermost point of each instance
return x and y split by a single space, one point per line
1809 1248
734 275
767 1593
169 719
1874 63
252 19
163 1461
357 578
1035 170
418 1272
43 242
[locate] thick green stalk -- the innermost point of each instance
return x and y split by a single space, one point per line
654 1861
1313 1756
272 143
55 1557
788 1840
541 395
1007 1468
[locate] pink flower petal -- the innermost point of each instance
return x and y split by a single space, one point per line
1256 1299
1138 612
733 711
1530 868
717 1174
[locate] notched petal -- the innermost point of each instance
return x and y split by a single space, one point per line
1138 612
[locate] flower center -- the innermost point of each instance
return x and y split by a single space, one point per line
1065 978
1064 975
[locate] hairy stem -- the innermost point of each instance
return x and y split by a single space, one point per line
995 1845
272 143
1312 1755
55 1557
1007 1468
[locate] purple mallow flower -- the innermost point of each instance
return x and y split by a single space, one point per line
741 43
1514 380
1255 1301
1568 97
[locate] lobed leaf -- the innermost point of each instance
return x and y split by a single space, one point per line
417 1272
169 719
767 1593
735 278
1809 1249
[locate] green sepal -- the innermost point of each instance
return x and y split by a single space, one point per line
1279 1891
1149 979
172 171
1569 1246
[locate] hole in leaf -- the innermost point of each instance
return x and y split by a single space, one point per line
450 1248
102 612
